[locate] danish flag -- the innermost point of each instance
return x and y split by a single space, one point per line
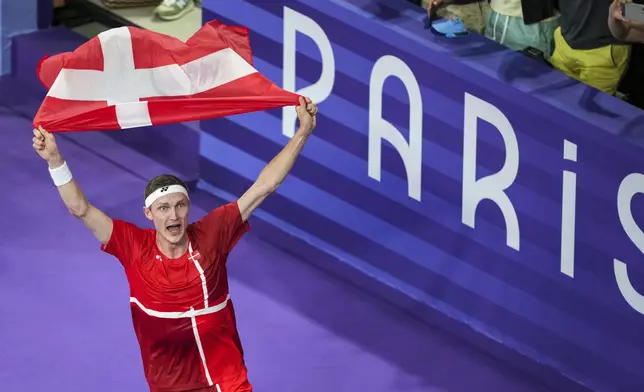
129 77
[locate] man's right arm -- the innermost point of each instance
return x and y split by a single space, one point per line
100 224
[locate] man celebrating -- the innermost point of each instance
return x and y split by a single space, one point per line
181 309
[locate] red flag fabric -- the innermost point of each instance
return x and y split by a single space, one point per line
129 77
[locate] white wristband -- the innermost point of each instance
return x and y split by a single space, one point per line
61 175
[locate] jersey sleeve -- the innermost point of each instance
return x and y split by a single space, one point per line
221 229
123 242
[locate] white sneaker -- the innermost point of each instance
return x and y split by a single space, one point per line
174 9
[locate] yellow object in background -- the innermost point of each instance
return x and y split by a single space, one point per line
601 68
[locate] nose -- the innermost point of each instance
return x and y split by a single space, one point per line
173 214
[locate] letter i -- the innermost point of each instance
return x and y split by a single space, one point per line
568 212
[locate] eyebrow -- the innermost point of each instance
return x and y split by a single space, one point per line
165 203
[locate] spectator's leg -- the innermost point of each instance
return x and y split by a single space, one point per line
547 30
494 28
564 57
603 68
512 33
486 10
537 35
472 15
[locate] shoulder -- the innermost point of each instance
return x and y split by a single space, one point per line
129 227
220 229
220 216
128 242
127 232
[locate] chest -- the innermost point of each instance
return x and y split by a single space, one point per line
184 282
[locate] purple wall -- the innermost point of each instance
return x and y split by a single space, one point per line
462 181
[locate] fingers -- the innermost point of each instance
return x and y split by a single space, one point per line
44 132
38 142
39 139
617 9
306 105
312 109
302 106
618 15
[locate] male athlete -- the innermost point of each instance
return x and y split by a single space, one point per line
181 308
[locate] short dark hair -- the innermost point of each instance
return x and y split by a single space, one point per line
161 181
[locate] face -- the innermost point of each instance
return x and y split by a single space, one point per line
170 216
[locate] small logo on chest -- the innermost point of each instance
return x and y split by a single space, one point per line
194 256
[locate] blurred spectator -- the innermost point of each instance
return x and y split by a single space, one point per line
585 48
473 13
519 24
633 84
622 28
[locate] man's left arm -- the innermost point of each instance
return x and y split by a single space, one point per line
635 33
622 28
278 168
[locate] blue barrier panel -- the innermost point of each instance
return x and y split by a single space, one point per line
3 41
16 17
474 180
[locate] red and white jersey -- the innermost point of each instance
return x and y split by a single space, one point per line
183 316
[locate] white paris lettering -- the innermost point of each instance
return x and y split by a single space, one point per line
474 190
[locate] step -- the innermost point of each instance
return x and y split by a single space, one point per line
174 145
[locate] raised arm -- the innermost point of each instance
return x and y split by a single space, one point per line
620 27
73 197
279 167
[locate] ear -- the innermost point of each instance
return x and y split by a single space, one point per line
148 213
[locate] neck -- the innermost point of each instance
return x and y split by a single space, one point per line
172 251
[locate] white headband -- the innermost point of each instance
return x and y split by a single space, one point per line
166 190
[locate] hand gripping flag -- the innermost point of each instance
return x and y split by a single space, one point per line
128 77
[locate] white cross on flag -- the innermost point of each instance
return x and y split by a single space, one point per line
129 77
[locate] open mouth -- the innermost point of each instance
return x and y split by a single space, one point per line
174 229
